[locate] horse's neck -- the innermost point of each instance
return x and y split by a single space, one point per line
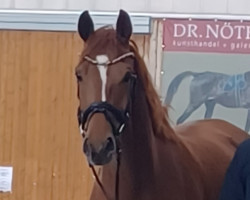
143 168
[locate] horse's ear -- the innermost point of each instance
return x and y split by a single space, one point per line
123 26
85 25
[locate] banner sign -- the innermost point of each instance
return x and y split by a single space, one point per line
207 36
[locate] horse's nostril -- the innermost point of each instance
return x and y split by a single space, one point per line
110 146
86 146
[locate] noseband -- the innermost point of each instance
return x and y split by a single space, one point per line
117 118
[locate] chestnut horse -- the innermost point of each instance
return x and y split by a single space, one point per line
126 129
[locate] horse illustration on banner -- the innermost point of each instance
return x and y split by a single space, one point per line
211 88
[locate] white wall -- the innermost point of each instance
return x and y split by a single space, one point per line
177 6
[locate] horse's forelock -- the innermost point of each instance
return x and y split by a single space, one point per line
102 41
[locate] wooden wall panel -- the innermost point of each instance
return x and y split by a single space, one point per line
38 128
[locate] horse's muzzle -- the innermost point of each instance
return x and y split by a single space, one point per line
99 156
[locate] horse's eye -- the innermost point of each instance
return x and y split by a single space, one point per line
78 77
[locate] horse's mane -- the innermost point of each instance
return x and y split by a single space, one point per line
159 113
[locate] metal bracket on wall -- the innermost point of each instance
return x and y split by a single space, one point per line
64 20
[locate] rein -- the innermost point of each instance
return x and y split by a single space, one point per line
116 178
111 113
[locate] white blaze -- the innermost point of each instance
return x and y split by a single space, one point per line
102 61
